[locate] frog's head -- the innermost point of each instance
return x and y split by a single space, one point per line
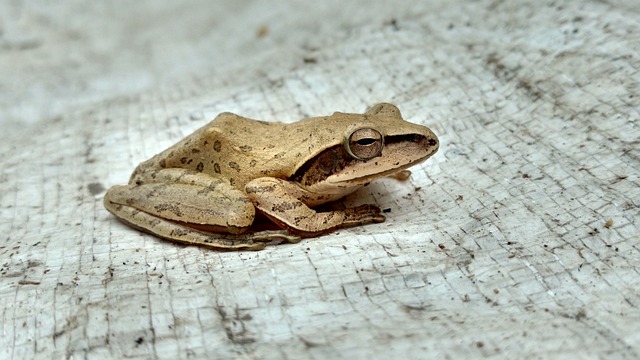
372 145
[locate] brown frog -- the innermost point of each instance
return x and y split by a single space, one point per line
208 188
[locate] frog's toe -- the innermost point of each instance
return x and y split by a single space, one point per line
364 214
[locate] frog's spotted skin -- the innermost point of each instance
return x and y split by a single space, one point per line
208 188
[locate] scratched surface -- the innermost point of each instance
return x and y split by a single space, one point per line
519 239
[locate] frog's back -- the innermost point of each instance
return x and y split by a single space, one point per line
225 147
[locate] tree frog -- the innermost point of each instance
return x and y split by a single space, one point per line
210 187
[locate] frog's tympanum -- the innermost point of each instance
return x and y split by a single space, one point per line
210 187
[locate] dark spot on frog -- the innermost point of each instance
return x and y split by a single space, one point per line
206 143
200 167
234 166
183 160
279 155
246 148
163 163
432 142
213 185
260 189
216 168
217 145
253 163
204 192
195 150
179 232
95 188
284 206
184 172
169 207
232 181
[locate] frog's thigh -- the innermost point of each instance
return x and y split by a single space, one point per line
280 200
187 235
223 208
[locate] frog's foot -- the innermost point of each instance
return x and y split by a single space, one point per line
271 237
362 215
401 175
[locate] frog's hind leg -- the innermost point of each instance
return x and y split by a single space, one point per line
223 209
187 235
189 214
189 207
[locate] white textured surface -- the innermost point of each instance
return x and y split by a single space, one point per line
497 247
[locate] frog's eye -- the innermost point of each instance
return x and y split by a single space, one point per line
364 143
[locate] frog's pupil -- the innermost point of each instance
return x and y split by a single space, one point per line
364 142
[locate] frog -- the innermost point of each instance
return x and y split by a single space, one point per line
214 187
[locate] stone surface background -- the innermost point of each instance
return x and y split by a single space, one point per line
519 239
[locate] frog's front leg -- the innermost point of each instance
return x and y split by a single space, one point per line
284 203
186 206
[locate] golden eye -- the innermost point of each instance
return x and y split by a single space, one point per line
364 144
